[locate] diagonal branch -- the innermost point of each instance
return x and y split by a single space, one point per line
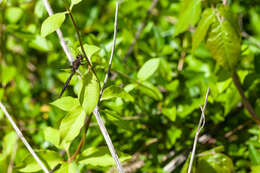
20 135
200 126
244 99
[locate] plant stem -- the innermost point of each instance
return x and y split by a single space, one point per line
245 101
20 135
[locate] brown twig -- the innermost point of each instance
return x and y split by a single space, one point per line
140 29
245 101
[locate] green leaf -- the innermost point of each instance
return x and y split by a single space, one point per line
70 126
255 169
99 157
215 163
74 2
41 44
52 23
189 15
13 14
254 154
52 158
170 113
68 168
150 90
89 49
66 103
223 41
8 73
148 68
52 135
115 91
207 19
9 142
89 92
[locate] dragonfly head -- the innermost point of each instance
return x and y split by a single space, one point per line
80 57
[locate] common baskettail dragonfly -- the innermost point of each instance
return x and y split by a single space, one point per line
75 65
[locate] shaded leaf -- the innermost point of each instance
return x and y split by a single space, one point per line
115 91
52 23
89 92
207 19
148 68
66 103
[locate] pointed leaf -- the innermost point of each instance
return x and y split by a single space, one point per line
115 91
224 42
90 50
254 155
207 19
66 103
70 126
52 23
89 92
189 15
148 68
52 158
74 2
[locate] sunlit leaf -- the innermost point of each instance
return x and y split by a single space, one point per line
189 15
254 155
52 135
70 126
66 103
74 2
99 157
148 69
8 73
89 92
52 23
115 91
51 157
207 19
13 14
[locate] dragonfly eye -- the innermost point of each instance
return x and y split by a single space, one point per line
79 56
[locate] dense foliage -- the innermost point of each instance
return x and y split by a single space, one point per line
151 103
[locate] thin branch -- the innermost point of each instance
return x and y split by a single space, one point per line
20 135
79 38
200 126
108 140
112 52
246 103
60 35
140 29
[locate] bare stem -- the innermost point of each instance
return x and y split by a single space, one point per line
245 101
20 135
112 53
200 126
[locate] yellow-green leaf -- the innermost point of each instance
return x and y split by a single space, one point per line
115 91
89 92
52 23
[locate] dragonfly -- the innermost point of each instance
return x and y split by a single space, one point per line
75 65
